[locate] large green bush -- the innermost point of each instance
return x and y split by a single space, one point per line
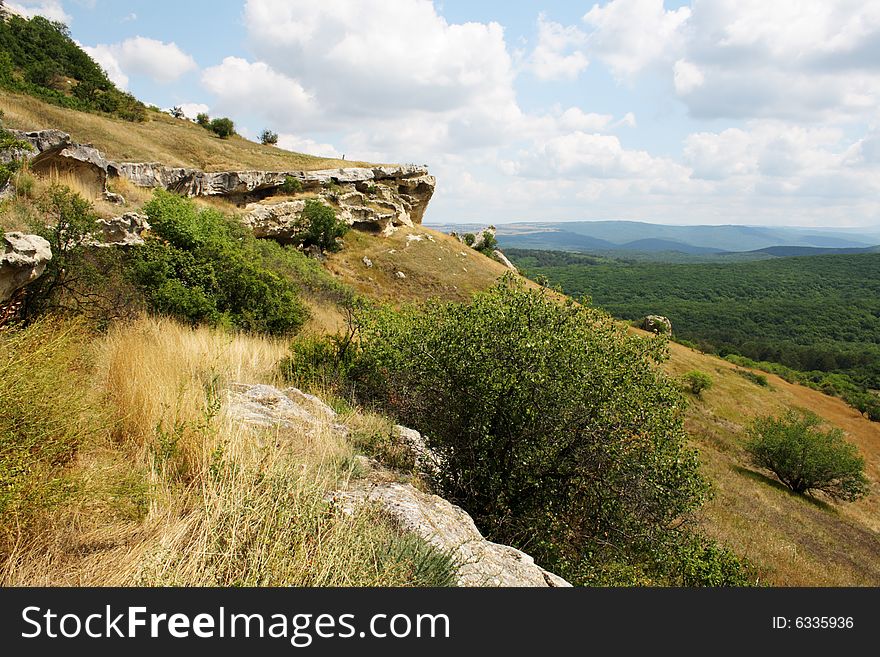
807 458
206 268
557 431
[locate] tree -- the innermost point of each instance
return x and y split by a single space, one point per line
697 382
323 229
177 112
268 138
807 458
556 429
223 127
203 120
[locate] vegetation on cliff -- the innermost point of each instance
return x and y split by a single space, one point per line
38 57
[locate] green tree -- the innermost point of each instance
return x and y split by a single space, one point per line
697 382
268 138
556 429
203 120
223 127
323 229
807 458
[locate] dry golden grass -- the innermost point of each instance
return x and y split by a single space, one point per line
797 541
437 265
161 138
179 493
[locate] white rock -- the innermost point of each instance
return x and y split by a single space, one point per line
22 261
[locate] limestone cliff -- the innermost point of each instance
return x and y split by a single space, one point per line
376 199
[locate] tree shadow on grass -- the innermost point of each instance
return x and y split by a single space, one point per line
778 485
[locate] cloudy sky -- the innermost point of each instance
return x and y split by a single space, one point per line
711 111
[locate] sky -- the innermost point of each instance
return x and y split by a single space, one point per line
704 112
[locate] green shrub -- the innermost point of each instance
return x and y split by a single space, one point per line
469 238
323 229
291 185
268 138
807 458
697 382
757 379
490 242
203 269
556 427
223 128
203 120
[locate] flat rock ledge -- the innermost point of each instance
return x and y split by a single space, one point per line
446 526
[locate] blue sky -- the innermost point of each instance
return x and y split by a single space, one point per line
712 111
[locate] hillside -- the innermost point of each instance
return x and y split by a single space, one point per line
159 138
156 376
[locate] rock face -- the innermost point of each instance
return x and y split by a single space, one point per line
450 529
23 260
123 231
657 324
377 199
500 257
444 525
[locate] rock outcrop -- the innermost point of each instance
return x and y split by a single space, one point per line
450 529
444 525
124 230
23 260
377 199
503 259
657 324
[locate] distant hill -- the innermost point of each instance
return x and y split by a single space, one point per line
796 251
662 246
679 243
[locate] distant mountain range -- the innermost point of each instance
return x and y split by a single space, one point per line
632 237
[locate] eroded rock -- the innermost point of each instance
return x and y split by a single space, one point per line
657 324
124 230
22 261
449 528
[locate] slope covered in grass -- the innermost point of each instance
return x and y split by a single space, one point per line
159 138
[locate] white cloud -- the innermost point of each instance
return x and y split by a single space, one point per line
687 77
50 9
107 59
240 86
558 55
373 58
631 35
192 110
308 146
159 61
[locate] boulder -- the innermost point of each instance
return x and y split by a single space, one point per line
279 221
500 257
124 230
84 163
450 529
426 460
267 406
23 260
657 324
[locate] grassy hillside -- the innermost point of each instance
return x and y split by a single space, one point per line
159 138
433 264
796 541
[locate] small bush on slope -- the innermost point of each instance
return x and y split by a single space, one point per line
558 433
807 458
